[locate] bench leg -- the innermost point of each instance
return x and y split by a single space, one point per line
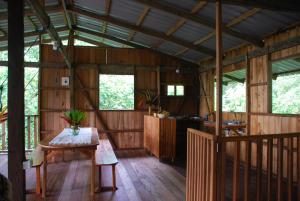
114 177
100 178
38 180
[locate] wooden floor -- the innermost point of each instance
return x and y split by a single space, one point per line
139 177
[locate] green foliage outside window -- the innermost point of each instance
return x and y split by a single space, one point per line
116 92
234 97
286 94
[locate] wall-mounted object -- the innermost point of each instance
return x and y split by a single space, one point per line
65 81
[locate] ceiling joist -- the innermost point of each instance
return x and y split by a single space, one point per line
233 22
147 31
200 20
139 22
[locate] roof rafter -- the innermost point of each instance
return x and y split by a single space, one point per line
68 18
29 12
182 21
46 22
140 21
35 27
106 12
275 5
143 30
200 20
233 22
129 43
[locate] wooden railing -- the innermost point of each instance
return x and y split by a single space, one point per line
31 133
260 167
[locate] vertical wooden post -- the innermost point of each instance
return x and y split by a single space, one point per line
72 69
16 138
219 58
269 81
221 149
248 96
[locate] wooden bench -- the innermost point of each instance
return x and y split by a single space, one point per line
105 156
37 158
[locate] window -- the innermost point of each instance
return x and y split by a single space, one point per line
171 90
286 94
175 90
286 86
234 92
116 92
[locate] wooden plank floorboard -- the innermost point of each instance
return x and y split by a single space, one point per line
139 178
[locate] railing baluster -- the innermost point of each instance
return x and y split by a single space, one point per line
223 170
269 169
28 133
236 171
290 168
279 168
298 168
247 170
3 135
35 130
258 169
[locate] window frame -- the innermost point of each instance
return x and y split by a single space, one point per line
175 90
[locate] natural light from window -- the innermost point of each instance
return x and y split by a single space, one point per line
234 97
286 94
116 92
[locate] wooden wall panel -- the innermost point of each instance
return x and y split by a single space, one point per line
126 126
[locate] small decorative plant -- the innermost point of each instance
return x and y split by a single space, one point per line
74 118
150 99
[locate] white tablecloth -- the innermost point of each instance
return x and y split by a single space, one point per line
66 137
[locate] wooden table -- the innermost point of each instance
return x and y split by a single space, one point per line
89 149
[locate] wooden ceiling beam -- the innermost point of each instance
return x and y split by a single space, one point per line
46 22
233 22
182 21
68 18
29 12
144 30
35 33
200 20
106 13
140 21
275 5
35 27
132 44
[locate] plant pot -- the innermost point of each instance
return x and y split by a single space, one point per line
75 129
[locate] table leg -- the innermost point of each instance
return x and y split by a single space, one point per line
44 175
93 173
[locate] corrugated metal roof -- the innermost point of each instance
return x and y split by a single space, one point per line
290 65
160 21
172 48
124 9
262 23
191 31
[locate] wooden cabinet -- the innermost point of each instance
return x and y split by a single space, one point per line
160 136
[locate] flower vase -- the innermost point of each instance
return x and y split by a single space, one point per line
75 129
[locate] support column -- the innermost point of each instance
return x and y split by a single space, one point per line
219 72
16 138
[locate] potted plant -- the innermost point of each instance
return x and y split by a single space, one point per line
150 99
74 118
